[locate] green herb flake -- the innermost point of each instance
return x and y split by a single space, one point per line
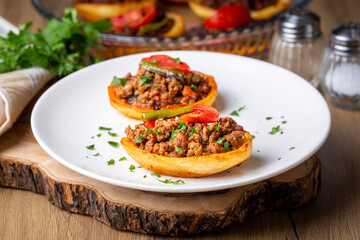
177 60
113 144
281 132
169 181
192 131
291 148
157 87
99 135
181 126
112 134
144 79
92 137
139 167
268 118
91 147
193 87
122 159
173 133
139 139
148 130
158 131
132 168
226 146
275 130
104 129
217 128
253 136
284 122
234 113
119 81
220 141
97 154
144 176
111 162
242 108
178 150
155 174
279 158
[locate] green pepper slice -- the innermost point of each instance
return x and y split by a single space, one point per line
165 113
153 67
151 27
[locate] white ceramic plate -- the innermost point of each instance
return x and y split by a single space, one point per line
68 115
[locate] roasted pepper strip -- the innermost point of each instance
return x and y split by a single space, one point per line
152 67
151 27
165 113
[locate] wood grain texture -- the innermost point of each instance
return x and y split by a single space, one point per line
334 214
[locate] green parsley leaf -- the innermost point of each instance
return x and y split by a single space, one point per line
148 130
279 158
193 87
111 162
119 81
275 130
98 135
92 137
104 129
91 147
241 108
112 134
192 131
139 139
169 181
268 118
132 168
97 154
173 133
155 174
144 176
122 159
178 150
158 131
291 148
144 79
181 126
226 146
220 141
217 128
139 167
114 144
177 60
234 113
283 122
157 87
252 136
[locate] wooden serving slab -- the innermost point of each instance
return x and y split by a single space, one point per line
24 165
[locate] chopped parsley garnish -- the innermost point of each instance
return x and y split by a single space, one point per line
139 167
242 108
122 159
119 81
148 130
169 181
268 118
111 162
139 139
173 133
234 113
178 150
275 130
97 154
192 131
157 87
155 174
283 122
220 141
181 126
217 128
193 87
132 168
91 147
177 60
291 148
252 136
98 135
104 129
226 146
281 132
92 137
144 79
114 144
112 134
144 176
279 158
157 131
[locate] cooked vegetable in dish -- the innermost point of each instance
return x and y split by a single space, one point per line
160 82
203 146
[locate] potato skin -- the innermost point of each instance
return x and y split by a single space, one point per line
189 167
135 112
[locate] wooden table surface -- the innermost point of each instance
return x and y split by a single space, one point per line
334 214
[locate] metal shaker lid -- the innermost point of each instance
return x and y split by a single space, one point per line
299 25
345 38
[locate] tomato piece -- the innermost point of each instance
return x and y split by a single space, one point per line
149 124
135 18
188 92
228 17
201 113
167 62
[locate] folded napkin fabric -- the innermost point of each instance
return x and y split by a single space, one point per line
16 91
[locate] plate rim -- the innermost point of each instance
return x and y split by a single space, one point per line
167 188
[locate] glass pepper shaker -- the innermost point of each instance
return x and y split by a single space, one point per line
298 44
339 73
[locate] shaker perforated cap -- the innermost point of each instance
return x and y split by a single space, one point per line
345 38
299 24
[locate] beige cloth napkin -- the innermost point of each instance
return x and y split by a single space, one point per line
16 90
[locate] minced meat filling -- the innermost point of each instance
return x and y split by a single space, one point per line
175 139
151 90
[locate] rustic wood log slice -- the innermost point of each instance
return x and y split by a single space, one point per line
24 165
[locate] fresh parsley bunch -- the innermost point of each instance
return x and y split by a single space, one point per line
62 47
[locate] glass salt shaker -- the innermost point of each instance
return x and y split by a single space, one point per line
339 73
298 44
